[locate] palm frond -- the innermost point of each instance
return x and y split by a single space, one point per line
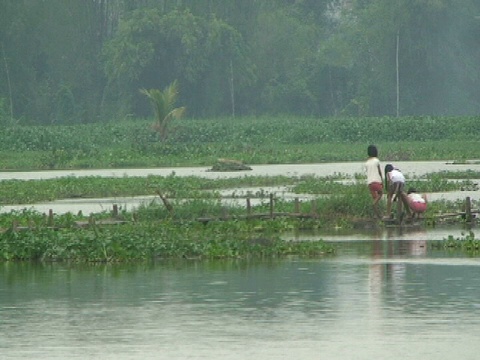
163 104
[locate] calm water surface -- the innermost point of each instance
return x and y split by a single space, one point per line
376 299
409 168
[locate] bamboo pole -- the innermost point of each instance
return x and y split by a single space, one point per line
249 208
468 210
224 212
314 208
50 217
7 71
397 65
271 206
297 206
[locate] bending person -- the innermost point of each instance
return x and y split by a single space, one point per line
395 183
416 202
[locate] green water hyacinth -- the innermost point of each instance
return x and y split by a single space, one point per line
259 140
150 241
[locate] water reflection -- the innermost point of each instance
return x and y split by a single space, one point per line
376 298
409 232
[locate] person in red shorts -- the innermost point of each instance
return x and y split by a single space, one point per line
416 202
374 177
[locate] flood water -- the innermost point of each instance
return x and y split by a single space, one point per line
385 294
375 299
409 168
348 169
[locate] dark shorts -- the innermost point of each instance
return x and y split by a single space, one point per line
396 188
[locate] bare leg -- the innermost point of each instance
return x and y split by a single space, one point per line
406 203
375 205
389 205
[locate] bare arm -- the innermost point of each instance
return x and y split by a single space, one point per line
380 172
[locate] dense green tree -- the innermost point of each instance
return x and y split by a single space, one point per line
151 48
67 61
282 52
51 63
21 57
435 56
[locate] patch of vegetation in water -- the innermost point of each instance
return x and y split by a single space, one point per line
154 231
465 243
143 241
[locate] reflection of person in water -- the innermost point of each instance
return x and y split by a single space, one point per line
418 247
412 241
386 277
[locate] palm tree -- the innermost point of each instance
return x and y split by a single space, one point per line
163 103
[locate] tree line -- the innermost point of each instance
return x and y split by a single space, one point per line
81 61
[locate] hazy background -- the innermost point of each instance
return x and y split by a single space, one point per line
81 61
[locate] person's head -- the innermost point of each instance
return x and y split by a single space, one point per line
372 151
388 168
411 190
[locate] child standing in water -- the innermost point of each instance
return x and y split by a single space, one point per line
374 177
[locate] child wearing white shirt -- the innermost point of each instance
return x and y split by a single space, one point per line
417 202
374 177
395 182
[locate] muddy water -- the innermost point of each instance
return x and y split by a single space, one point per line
410 168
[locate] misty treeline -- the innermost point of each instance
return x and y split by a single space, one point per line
81 61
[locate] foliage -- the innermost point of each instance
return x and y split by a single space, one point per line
150 240
163 103
252 140
467 243
151 46
179 187
70 61
157 233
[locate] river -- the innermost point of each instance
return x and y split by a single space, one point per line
373 300
381 296
409 168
